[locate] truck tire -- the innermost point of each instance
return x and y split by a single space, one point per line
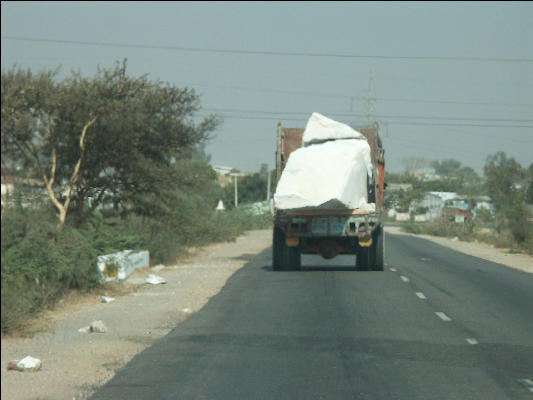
284 258
294 258
362 259
377 249
278 249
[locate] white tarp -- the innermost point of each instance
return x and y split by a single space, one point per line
320 128
328 174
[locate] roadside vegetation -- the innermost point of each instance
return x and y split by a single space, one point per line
509 224
101 165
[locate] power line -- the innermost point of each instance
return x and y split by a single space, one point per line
364 115
361 98
270 53
438 149
245 117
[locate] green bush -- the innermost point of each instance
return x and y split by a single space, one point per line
41 262
500 238
411 227
442 228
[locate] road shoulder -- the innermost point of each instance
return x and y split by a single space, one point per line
75 364
521 262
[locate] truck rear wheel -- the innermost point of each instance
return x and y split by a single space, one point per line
362 259
294 258
377 249
371 258
284 258
278 249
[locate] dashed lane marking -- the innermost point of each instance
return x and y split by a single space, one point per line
472 341
528 383
443 316
404 278
421 295
393 269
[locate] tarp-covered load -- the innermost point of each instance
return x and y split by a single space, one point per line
320 129
329 172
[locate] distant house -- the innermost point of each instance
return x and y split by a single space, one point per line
8 186
424 174
225 174
483 203
399 186
445 196
32 191
434 202
223 170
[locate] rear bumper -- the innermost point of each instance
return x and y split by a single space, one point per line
322 225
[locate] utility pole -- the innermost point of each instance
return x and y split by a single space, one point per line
236 191
268 185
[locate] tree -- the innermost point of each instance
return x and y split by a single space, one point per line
446 166
29 111
503 175
411 164
109 138
529 193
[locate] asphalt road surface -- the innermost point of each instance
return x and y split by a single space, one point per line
436 324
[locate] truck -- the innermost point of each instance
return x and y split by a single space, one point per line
330 232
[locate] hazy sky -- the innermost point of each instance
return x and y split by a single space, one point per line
450 80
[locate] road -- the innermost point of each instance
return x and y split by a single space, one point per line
436 324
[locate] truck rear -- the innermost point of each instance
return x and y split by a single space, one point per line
332 231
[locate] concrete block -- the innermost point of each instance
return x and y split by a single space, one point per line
120 265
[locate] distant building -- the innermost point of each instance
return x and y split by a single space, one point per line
225 174
424 174
399 186
435 203
483 203
32 191
223 170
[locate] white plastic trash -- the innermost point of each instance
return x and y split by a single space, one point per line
105 299
154 279
95 327
26 364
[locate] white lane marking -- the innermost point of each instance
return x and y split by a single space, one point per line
528 383
393 269
443 316
404 278
472 341
421 295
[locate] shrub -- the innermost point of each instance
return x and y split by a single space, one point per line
41 262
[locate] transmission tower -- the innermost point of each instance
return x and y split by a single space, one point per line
370 100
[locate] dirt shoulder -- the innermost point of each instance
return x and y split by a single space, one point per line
75 364
522 262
